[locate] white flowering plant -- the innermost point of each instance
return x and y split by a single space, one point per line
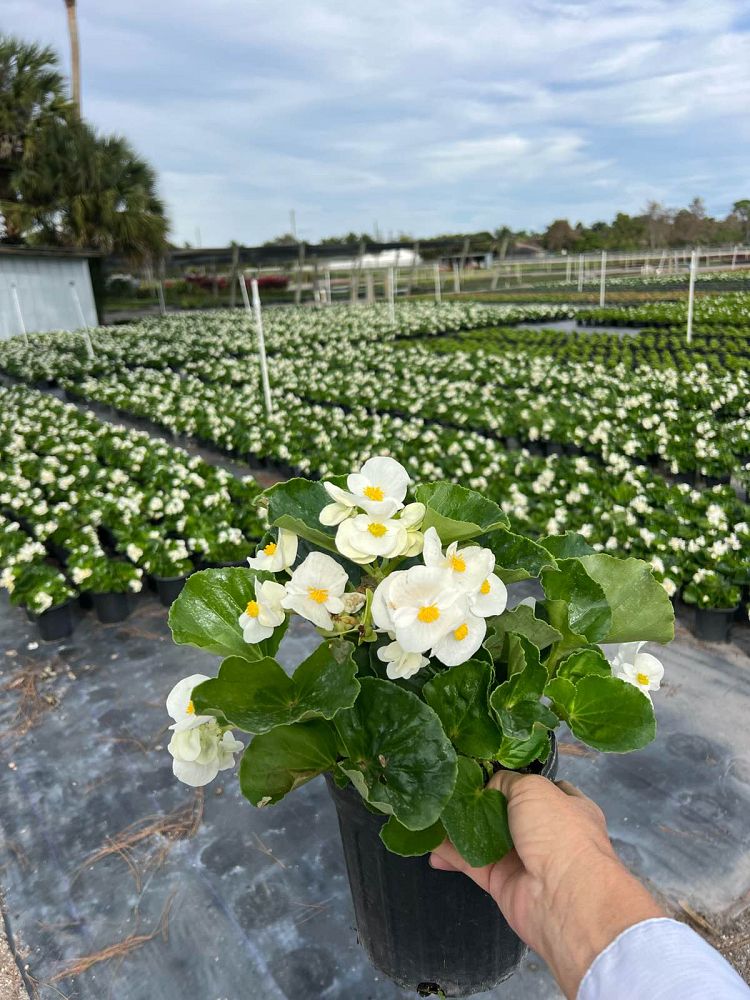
424 682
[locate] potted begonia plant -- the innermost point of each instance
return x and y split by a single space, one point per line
716 600
47 596
170 566
110 583
424 683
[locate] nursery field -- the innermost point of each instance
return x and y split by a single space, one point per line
127 466
638 441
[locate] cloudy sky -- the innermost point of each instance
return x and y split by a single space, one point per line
426 116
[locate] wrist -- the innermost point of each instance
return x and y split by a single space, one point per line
596 901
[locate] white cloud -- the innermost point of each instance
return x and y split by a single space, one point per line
430 115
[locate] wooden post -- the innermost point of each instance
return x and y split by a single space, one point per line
603 279
19 314
261 340
233 275
300 265
160 288
438 289
691 294
391 295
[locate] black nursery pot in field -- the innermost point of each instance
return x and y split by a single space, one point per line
713 624
169 588
427 930
111 608
55 623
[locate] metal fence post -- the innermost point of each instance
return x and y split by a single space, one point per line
19 314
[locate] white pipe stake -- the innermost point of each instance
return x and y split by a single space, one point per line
580 272
438 289
19 314
162 303
691 294
391 295
82 320
261 340
603 279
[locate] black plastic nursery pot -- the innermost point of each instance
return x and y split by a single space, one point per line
427 930
111 608
713 624
56 623
169 588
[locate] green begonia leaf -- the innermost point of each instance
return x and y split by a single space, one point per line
397 752
588 611
640 607
566 546
411 843
605 712
582 663
517 557
460 698
206 614
296 506
285 758
515 754
516 701
476 818
557 613
256 697
520 621
457 513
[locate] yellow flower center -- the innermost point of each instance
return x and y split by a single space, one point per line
318 595
458 565
377 529
374 493
643 679
252 609
190 708
270 549
461 632
485 588
428 613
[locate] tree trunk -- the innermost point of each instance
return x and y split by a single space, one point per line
75 55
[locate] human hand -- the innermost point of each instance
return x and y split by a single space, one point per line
562 889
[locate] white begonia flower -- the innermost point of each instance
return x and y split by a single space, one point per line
265 613
460 643
315 590
490 599
425 607
640 669
7 579
363 538
200 753
400 663
276 556
378 488
468 567
180 705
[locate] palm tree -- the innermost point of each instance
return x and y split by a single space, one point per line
81 189
75 54
32 96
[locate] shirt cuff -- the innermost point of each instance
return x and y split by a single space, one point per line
661 959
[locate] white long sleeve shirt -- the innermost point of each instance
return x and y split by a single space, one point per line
661 959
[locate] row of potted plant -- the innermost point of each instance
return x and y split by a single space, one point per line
90 510
718 311
619 507
173 339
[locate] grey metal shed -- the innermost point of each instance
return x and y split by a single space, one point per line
43 284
